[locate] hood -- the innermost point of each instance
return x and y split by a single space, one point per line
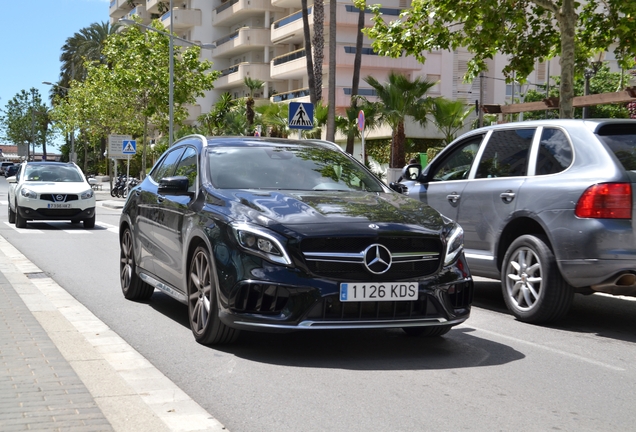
327 208
56 187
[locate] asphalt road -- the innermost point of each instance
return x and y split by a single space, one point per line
491 373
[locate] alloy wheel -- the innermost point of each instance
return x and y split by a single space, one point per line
200 292
524 278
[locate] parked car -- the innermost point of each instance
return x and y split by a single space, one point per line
50 191
4 166
278 235
11 170
547 207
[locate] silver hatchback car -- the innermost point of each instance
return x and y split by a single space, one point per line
546 206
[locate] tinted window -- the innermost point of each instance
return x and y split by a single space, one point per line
294 168
621 139
555 152
188 167
167 166
457 165
506 154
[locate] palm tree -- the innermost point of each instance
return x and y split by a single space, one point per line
213 122
252 85
398 98
355 81
450 117
331 99
311 78
319 45
348 124
275 120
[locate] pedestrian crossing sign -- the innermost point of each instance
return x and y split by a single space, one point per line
129 147
301 115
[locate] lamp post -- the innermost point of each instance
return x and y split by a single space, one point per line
73 156
171 39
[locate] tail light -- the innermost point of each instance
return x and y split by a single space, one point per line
606 201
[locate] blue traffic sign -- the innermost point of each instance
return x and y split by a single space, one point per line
129 147
301 115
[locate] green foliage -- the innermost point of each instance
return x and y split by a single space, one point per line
25 121
450 117
523 30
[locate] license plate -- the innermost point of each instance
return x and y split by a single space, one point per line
59 206
386 291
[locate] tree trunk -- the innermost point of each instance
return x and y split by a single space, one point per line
308 55
355 82
319 45
567 20
145 152
397 150
331 109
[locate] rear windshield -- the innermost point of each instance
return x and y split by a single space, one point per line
621 139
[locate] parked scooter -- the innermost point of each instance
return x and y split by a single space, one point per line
118 187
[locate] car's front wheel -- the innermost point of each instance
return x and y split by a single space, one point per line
203 310
533 288
90 222
11 215
20 222
131 284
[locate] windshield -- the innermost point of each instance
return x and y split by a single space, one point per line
621 139
293 168
52 173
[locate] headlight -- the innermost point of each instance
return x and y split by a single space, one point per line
454 244
87 194
258 241
28 193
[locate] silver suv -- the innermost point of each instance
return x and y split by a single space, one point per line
546 206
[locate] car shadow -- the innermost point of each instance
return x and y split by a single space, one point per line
602 315
62 225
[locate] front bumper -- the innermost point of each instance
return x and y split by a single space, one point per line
44 213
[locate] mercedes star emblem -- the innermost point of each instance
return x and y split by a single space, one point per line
377 259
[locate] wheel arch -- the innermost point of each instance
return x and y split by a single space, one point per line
516 228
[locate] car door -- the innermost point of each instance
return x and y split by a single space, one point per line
489 199
447 177
149 218
172 211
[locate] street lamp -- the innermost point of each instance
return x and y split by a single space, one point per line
73 156
170 64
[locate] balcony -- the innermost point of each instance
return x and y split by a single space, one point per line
292 65
141 12
243 40
290 28
234 11
300 95
370 60
182 18
118 8
288 4
235 75
152 6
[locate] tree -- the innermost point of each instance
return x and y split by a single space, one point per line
311 78
355 80
523 30
25 121
449 116
252 85
319 46
398 98
603 81
331 99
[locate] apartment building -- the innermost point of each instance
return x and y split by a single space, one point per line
263 39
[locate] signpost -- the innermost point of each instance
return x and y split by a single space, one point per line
128 147
301 116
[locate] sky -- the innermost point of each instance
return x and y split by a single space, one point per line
33 33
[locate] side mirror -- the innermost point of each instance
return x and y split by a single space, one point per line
411 172
12 179
177 185
399 187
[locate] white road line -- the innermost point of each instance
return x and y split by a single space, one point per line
23 230
550 349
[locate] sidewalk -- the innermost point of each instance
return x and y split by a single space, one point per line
62 369
103 196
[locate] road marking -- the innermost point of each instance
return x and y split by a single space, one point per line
547 348
23 230
109 227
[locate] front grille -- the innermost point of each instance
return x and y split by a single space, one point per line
461 295
52 197
343 257
260 298
59 212
332 309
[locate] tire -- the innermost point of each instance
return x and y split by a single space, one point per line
89 223
112 192
429 331
533 288
131 284
203 309
124 192
11 214
20 222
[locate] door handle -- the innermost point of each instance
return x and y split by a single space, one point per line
507 196
453 197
